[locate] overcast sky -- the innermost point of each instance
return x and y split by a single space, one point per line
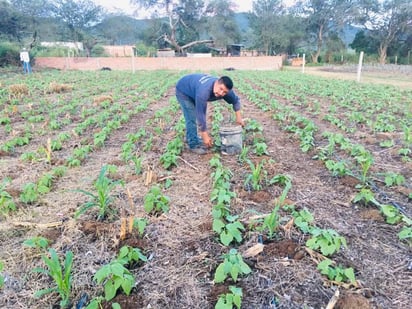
123 5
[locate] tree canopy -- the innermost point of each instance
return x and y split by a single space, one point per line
312 26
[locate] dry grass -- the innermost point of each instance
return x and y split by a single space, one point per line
102 98
18 91
58 88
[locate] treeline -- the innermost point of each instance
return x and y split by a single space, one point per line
323 30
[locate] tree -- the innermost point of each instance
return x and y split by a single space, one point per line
364 42
183 16
221 23
12 23
265 22
78 15
323 17
387 21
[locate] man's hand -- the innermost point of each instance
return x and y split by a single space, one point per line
207 140
239 119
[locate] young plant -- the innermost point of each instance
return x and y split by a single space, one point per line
61 276
271 222
233 266
29 194
114 276
155 202
37 242
229 300
255 178
7 204
228 231
327 241
1 277
140 224
103 199
337 273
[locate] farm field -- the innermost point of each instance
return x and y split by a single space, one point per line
102 202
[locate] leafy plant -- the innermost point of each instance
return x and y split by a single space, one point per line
337 273
6 200
391 214
129 255
271 222
61 276
1 277
233 266
394 179
260 148
257 175
365 196
228 300
228 231
140 224
338 168
114 276
103 199
327 241
38 242
155 201
29 194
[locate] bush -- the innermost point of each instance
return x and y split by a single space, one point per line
9 54
98 51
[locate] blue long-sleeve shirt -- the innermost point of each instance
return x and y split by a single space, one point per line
199 88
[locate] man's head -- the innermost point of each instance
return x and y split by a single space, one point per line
222 86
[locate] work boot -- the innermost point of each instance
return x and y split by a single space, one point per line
199 150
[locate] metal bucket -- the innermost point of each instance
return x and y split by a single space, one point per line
231 139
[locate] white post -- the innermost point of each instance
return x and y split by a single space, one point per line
133 66
360 66
303 63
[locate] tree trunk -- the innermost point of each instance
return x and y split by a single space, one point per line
383 48
315 56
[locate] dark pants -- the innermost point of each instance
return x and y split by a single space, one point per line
189 112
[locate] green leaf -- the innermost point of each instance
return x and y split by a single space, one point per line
350 274
110 290
218 225
220 274
226 238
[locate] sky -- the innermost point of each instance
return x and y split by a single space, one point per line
124 5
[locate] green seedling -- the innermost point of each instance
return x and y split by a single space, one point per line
37 242
1 276
272 221
61 276
255 178
394 179
229 300
130 256
114 276
103 199
260 148
7 204
337 273
233 266
228 232
29 194
365 196
140 224
327 241
155 202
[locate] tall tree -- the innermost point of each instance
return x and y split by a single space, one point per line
12 23
78 15
33 11
265 22
323 17
183 18
387 21
221 23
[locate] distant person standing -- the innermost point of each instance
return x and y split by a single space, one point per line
25 58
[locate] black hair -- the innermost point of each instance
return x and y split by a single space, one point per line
225 80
